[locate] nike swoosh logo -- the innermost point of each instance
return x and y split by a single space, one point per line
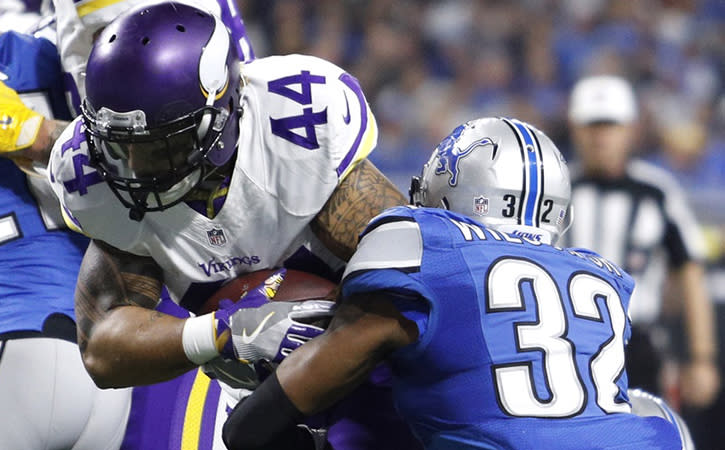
3 76
346 117
7 120
248 339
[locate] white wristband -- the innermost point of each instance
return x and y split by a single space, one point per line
198 339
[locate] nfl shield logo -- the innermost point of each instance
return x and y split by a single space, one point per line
216 237
480 205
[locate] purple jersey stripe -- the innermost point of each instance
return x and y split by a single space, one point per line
353 84
232 19
208 418
72 92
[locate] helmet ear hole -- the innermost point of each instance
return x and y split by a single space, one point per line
414 193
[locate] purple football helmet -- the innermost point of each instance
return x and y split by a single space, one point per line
162 107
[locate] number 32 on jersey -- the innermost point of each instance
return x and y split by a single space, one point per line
547 337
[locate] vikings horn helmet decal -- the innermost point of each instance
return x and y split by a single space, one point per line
163 91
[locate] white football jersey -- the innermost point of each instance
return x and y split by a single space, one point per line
305 125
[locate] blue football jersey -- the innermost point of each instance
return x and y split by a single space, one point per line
39 258
31 66
521 344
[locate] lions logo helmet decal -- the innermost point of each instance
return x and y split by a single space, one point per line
449 154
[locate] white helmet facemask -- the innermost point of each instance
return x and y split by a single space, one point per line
503 173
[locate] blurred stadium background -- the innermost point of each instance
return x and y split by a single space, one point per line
429 65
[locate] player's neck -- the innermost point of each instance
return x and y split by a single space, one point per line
209 196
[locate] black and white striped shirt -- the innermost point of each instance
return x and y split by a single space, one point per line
642 222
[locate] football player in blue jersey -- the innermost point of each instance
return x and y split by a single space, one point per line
497 338
48 399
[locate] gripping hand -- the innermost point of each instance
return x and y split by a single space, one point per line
238 374
262 329
19 125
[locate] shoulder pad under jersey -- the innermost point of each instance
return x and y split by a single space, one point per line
392 240
309 105
88 204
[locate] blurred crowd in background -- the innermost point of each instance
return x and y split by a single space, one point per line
429 65
426 66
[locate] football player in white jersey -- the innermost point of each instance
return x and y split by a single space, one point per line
188 170
28 140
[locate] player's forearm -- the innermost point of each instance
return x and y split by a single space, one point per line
699 314
266 420
365 329
323 371
135 346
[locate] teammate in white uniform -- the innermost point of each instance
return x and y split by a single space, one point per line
282 147
276 190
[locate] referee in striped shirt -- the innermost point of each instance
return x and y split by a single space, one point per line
637 216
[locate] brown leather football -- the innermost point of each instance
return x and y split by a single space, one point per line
297 286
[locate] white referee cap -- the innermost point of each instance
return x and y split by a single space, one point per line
603 98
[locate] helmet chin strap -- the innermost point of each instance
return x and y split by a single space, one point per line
205 122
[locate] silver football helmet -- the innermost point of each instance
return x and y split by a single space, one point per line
503 173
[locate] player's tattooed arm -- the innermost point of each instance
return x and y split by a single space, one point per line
123 340
362 195
109 279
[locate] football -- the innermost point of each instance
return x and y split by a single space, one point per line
297 286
